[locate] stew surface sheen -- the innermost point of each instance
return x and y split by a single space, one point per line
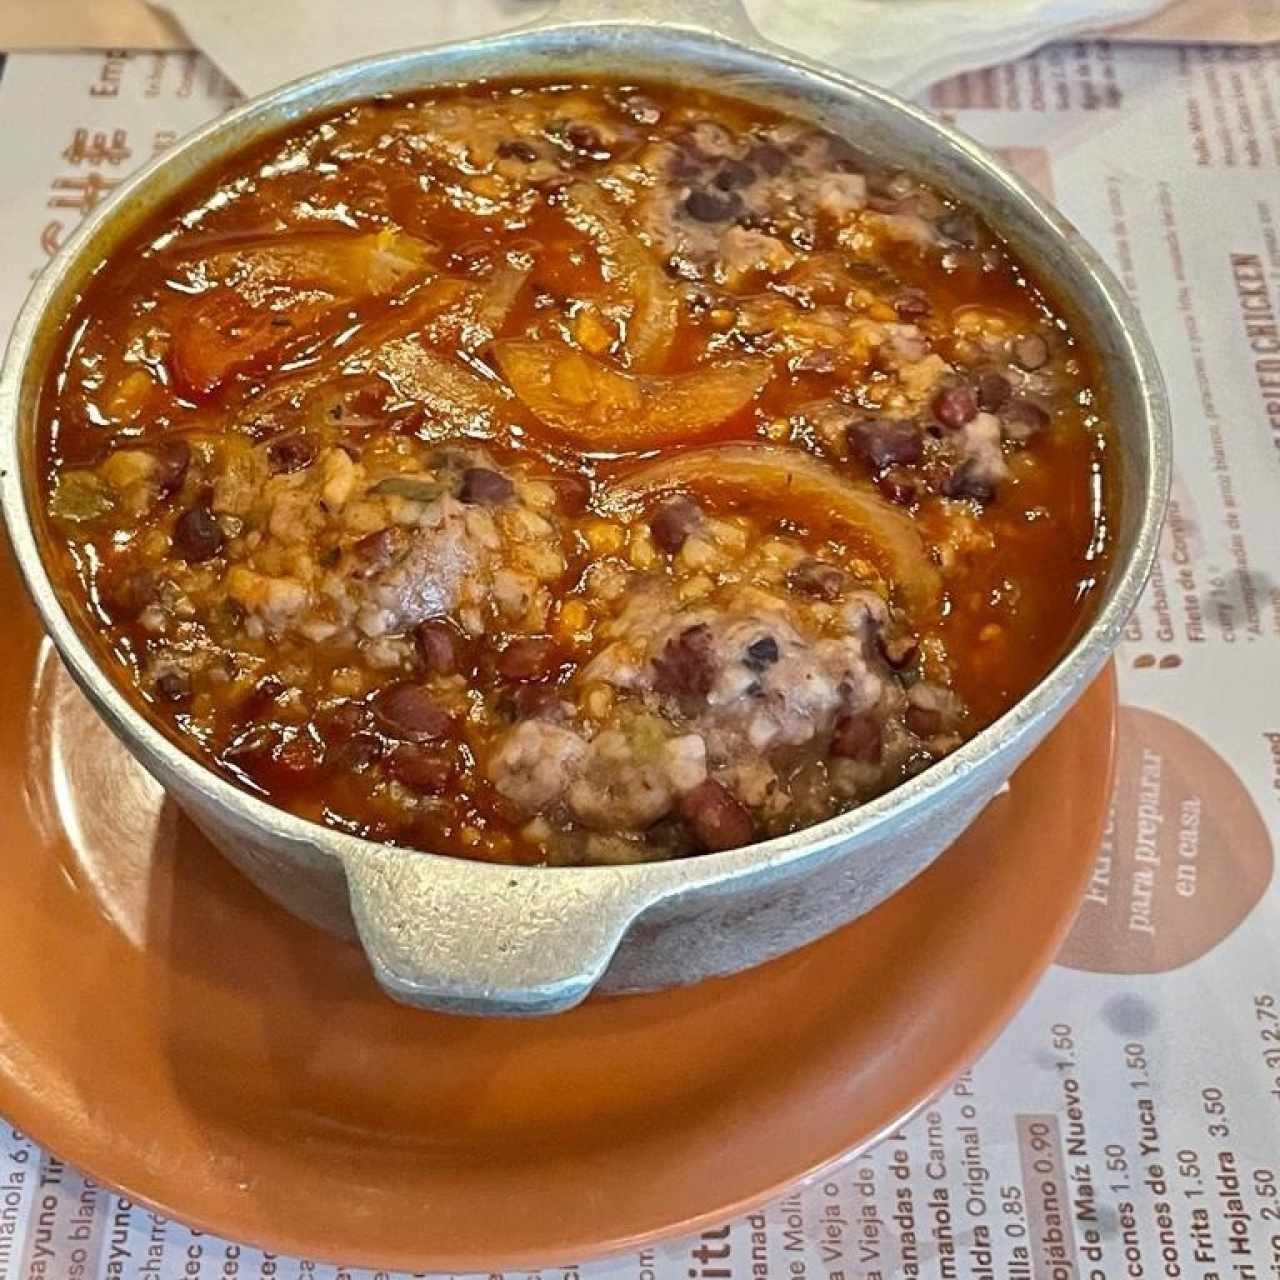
572 472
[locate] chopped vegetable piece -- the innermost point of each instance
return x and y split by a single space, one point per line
604 408
222 335
375 264
79 497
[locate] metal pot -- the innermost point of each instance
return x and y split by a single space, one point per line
483 939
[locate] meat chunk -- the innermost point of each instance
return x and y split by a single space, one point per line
718 820
933 714
620 786
449 548
981 464
343 551
713 189
743 665
534 764
883 442
625 779
743 252
685 666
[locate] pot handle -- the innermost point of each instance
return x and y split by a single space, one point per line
720 17
462 937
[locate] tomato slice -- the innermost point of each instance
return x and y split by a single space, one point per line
220 335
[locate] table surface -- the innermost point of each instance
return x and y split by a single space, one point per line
1128 1121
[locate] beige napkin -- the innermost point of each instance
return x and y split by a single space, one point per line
133 24
87 24
904 44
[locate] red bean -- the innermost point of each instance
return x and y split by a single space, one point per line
344 720
259 698
858 737
251 748
290 453
582 137
174 686
196 535
438 647
912 304
376 551
712 206
818 360
296 754
686 665
355 754
517 149
992 391
768 159
420 769
532 702
924 722
409 712
968 481
530 658
818 579
733 175
882 442
174 457
687 162
899 485
674 521
574 492
1031 352
717 818
485 488
1021 418
128 594
955 406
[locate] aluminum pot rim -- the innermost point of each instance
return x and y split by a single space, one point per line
277 109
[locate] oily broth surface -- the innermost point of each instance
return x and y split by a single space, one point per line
1017 568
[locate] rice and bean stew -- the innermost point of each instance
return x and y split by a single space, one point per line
573 473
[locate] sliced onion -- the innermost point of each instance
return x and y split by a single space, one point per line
376 264
816 495
452 392
654 302
357 355
604 408
495 303
220 334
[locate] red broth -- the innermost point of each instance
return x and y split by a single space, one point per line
572 473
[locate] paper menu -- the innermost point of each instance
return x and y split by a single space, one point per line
1127 1124
135 24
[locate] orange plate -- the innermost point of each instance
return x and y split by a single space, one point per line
166 1028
